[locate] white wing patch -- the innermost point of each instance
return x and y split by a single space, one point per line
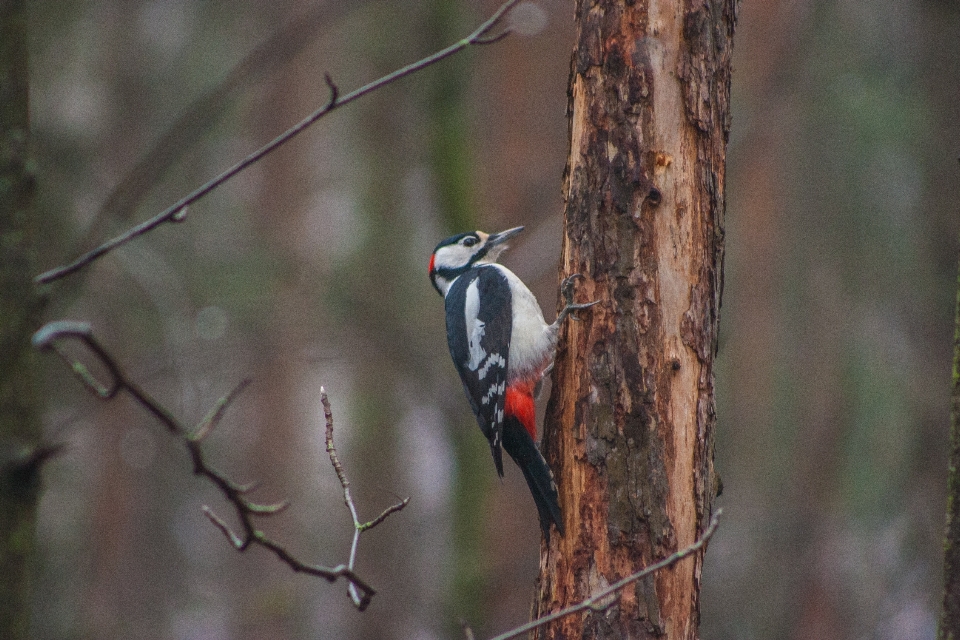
475 327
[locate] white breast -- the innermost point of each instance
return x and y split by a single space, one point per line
532 340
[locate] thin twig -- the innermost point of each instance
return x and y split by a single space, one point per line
213 418
48 338
596 601
358 527
277 49
173 212
383 515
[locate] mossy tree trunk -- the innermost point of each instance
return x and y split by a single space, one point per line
19 313
629 429
950 614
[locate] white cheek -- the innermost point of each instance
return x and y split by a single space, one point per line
453 256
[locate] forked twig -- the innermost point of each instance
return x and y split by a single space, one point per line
177 211
358 527
48 338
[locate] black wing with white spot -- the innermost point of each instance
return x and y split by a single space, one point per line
479 321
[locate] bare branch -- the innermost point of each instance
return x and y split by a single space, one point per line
494 38
213 418
383 516
602 600
234 539
177 211
334 90
47 339
267 509
186 131
358 528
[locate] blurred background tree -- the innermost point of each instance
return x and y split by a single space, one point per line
833 379
21 452
310 269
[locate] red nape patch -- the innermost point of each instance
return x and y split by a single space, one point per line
519 403
432 258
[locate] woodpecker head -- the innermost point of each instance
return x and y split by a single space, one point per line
459 253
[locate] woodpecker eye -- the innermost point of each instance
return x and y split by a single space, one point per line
469 241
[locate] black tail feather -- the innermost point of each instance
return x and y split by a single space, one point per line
521 447
497 453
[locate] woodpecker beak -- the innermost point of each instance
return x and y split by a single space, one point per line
503 236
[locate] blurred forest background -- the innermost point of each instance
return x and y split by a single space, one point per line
310 269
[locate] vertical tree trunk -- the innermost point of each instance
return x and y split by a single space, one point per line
629 428
950 614
19 310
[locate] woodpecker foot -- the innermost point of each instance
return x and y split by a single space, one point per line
566 290
539 387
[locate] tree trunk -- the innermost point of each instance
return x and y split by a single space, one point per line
950 614
20 455
629 428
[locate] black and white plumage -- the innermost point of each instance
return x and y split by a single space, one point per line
482 357
501 346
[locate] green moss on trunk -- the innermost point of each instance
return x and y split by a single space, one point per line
19 312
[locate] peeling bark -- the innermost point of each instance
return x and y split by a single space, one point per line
629 428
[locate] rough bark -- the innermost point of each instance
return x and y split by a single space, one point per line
629 428
20 456
950 613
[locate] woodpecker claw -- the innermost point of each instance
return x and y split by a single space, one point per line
566 290
566 287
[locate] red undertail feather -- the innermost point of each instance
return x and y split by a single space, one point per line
519 403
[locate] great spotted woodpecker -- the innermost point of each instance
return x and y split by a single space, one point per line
501 346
